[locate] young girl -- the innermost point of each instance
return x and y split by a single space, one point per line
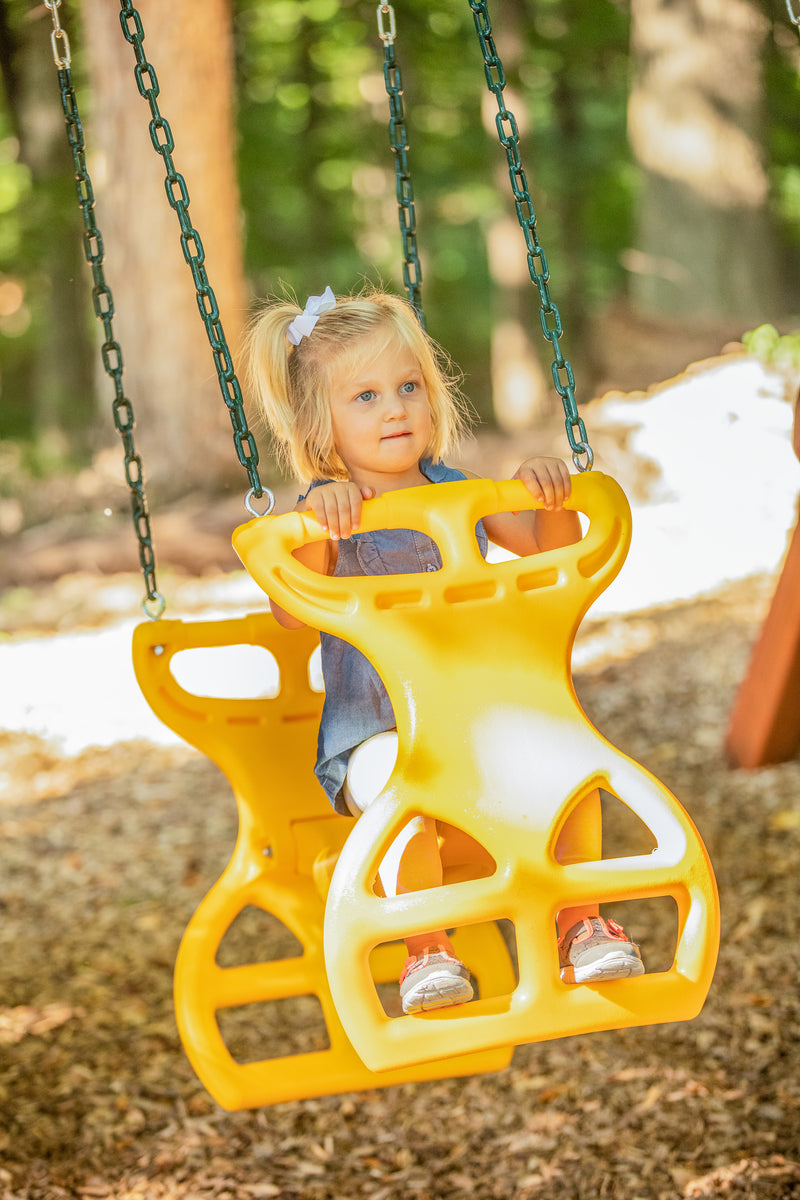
360 402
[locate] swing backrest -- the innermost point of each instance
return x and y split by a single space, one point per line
471 608
476 659
288 841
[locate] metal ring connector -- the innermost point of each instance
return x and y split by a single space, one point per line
577 457
154 606
248 505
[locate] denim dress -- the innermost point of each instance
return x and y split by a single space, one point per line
356 702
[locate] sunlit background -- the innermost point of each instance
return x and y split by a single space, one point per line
664 168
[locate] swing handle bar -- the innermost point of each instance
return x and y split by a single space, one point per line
448 513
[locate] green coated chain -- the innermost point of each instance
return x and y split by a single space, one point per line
193 252
104 311
412 271
508 133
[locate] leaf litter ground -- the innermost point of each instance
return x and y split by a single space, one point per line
107 854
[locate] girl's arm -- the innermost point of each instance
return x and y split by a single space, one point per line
548 480
316 557
337 507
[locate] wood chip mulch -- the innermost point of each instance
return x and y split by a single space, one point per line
106 855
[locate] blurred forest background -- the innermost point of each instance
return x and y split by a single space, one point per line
660 138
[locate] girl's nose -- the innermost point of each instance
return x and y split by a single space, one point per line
395 406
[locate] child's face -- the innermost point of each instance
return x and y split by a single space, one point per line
380 414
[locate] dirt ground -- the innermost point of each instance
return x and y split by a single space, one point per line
106 856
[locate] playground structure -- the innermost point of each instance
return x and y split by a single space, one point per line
765 720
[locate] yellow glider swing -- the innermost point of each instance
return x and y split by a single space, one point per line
499 740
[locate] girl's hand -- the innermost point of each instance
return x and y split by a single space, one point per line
337 507
547 480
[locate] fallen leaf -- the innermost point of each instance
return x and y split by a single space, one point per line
17 1023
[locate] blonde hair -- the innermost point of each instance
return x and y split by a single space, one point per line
292 384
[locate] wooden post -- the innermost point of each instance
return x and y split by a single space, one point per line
765 720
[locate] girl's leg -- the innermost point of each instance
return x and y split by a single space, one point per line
591 949
412 863
580 840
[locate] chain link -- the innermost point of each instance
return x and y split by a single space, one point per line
793 9
61 57
193 252
508 133
103 302
398 137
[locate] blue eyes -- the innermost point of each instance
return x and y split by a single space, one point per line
405 389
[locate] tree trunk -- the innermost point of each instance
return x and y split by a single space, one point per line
705 247
183 428
519 389
56 388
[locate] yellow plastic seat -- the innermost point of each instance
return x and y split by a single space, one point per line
476 659
287 841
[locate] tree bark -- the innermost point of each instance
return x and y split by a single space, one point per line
705 247
54 389
183 429
519 389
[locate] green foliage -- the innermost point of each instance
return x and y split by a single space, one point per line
767 344
782 149
317 173
40 244
15 189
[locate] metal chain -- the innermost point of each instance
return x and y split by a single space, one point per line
508 132
61 57
412 271
103 301
192 247
793 10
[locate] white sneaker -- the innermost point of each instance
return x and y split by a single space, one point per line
594 950
434 979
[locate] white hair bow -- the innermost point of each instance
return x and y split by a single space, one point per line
315 306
